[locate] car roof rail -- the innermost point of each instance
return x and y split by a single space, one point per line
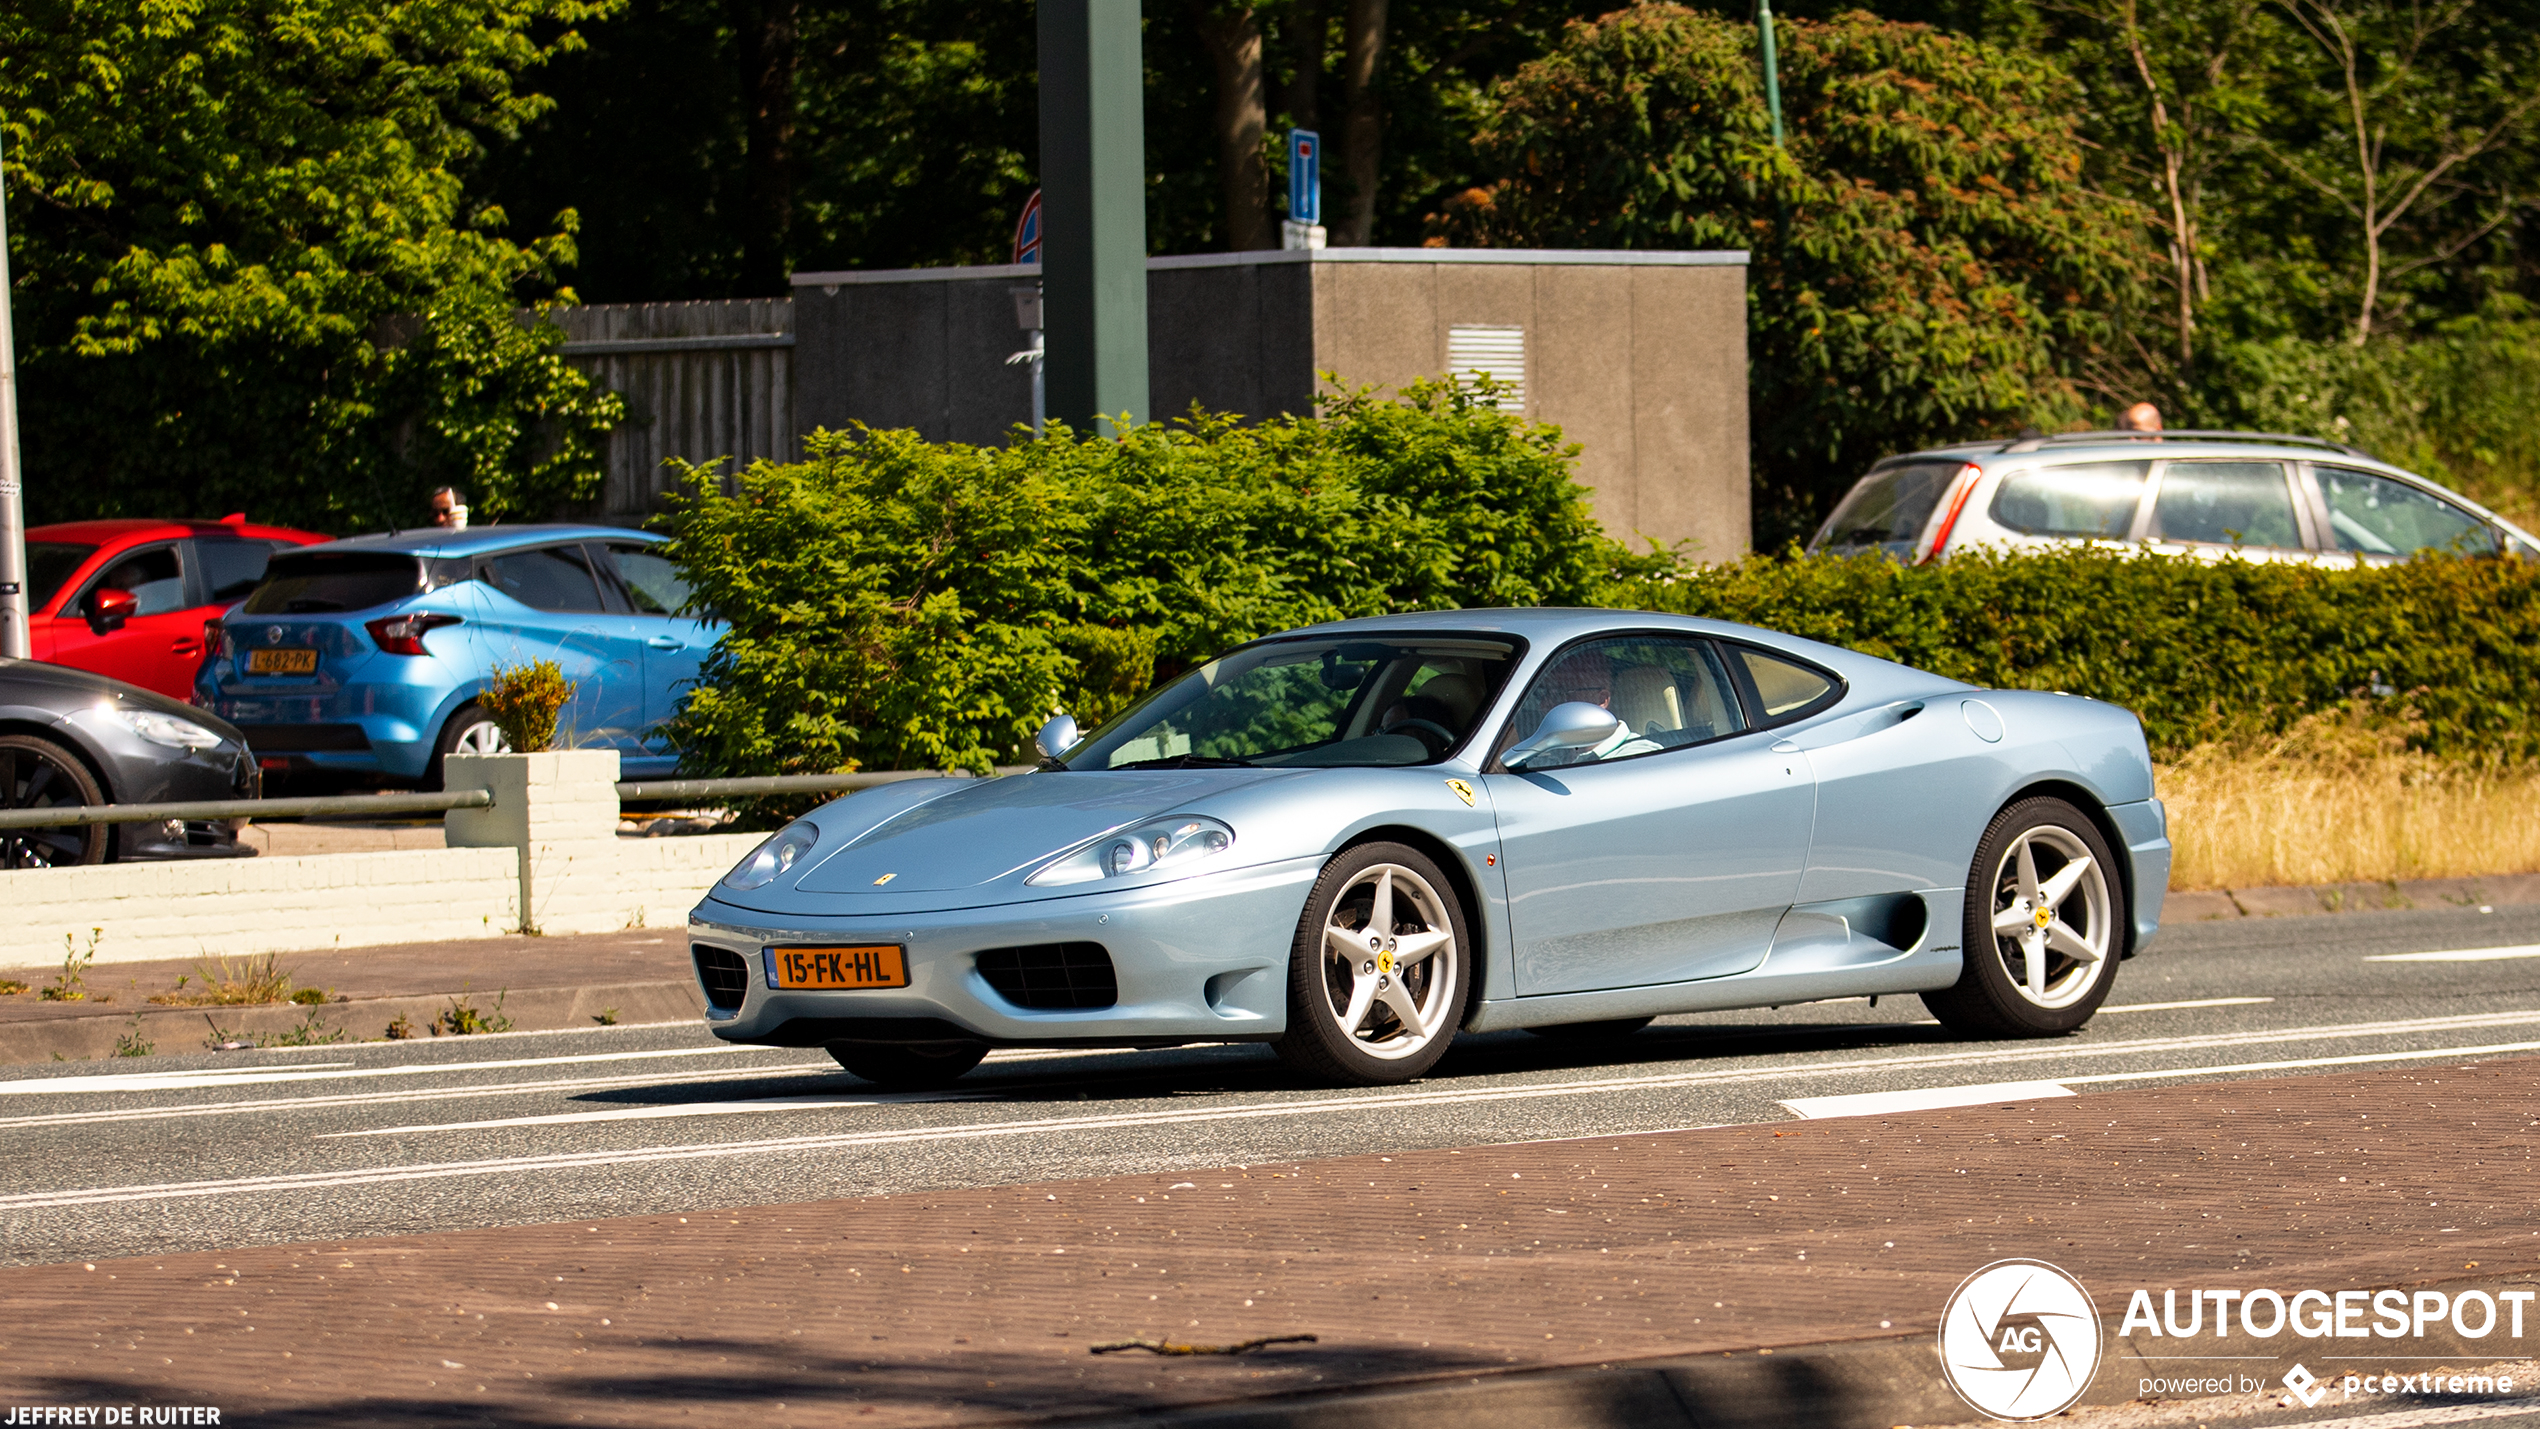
2030 443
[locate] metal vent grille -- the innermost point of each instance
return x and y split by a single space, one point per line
1052 977
1499 351
725 976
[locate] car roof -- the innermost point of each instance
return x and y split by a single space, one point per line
108 530
481 540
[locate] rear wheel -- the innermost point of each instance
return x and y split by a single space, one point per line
1378 975
909 1067
470 731
36 773
2044 926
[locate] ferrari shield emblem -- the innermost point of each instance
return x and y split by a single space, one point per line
1462 790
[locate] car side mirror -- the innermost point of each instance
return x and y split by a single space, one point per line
1056 737
1574 725
108 608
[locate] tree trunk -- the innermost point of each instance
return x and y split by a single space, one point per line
1302 98
764 31
1232 37
1362 123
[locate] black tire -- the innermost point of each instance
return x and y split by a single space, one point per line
909 1067
1437 979
36 773
466 723
1586 1031
1997 995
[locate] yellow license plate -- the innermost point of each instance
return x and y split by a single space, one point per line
281 662
845 967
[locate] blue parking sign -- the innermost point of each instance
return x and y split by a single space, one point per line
1305 176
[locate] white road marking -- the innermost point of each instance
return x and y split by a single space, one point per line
656 1113
420 1094
1383 1103
2172 1006
2459 955
1921 1099
217 1077
2418 1054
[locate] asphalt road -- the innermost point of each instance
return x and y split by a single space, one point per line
206 1152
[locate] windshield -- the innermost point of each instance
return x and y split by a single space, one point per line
1888 509
311 584
1311 703
48 564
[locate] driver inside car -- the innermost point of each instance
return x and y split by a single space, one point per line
1588 678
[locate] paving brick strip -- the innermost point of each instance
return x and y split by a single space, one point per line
543 985
1462 1287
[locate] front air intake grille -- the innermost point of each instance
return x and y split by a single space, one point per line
725 975
1052 977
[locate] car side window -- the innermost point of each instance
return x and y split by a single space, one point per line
2096 499
1669 692
1784 689
2373 515
554 578
230 569
2226 503
152 574
652 579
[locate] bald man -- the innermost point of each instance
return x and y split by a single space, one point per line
2141 417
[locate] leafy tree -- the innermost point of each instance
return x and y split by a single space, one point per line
1927 262
247 273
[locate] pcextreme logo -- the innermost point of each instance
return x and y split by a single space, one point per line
2019 1339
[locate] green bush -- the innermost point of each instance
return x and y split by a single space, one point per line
895 603
526 701
2201 650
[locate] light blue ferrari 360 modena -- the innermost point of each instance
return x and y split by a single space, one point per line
1353 840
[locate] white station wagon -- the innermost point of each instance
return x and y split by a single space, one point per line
2256 494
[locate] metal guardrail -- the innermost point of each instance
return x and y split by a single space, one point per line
246 809
357 805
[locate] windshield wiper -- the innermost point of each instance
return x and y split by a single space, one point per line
1188 761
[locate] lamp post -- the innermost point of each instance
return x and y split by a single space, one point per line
1093 211
1772 68
13 612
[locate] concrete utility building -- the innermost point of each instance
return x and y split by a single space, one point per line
1639 356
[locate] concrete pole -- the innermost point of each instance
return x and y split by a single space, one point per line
1094 211
13 611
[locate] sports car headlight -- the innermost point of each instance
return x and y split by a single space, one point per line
165 729
775 858
1150 847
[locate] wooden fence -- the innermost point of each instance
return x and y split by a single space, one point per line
701 381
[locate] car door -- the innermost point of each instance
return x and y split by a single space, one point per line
547 603
2379 520
674 644
160 644
2214 507
1668 853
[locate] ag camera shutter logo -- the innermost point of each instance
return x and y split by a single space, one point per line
2019 1339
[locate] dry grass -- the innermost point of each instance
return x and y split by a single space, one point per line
2341 800
222 983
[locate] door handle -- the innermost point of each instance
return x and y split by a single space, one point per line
188 645
664 642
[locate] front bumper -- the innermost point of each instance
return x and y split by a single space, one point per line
1198 959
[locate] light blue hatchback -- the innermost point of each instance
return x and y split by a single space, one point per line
366 657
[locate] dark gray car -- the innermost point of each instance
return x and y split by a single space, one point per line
69 738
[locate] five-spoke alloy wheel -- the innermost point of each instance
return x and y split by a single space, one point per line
2045 925
1379 975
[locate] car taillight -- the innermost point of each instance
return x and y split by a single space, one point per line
403 634
1968 476
216 644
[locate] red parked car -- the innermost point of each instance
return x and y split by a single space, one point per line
128 598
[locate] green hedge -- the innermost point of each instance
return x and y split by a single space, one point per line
896 603
2202 650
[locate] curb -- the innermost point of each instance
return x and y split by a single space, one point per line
94 1036
1854 1384
2206 905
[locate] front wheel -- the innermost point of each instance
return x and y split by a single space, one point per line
909 1067
36 773
2044 926
1379 973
